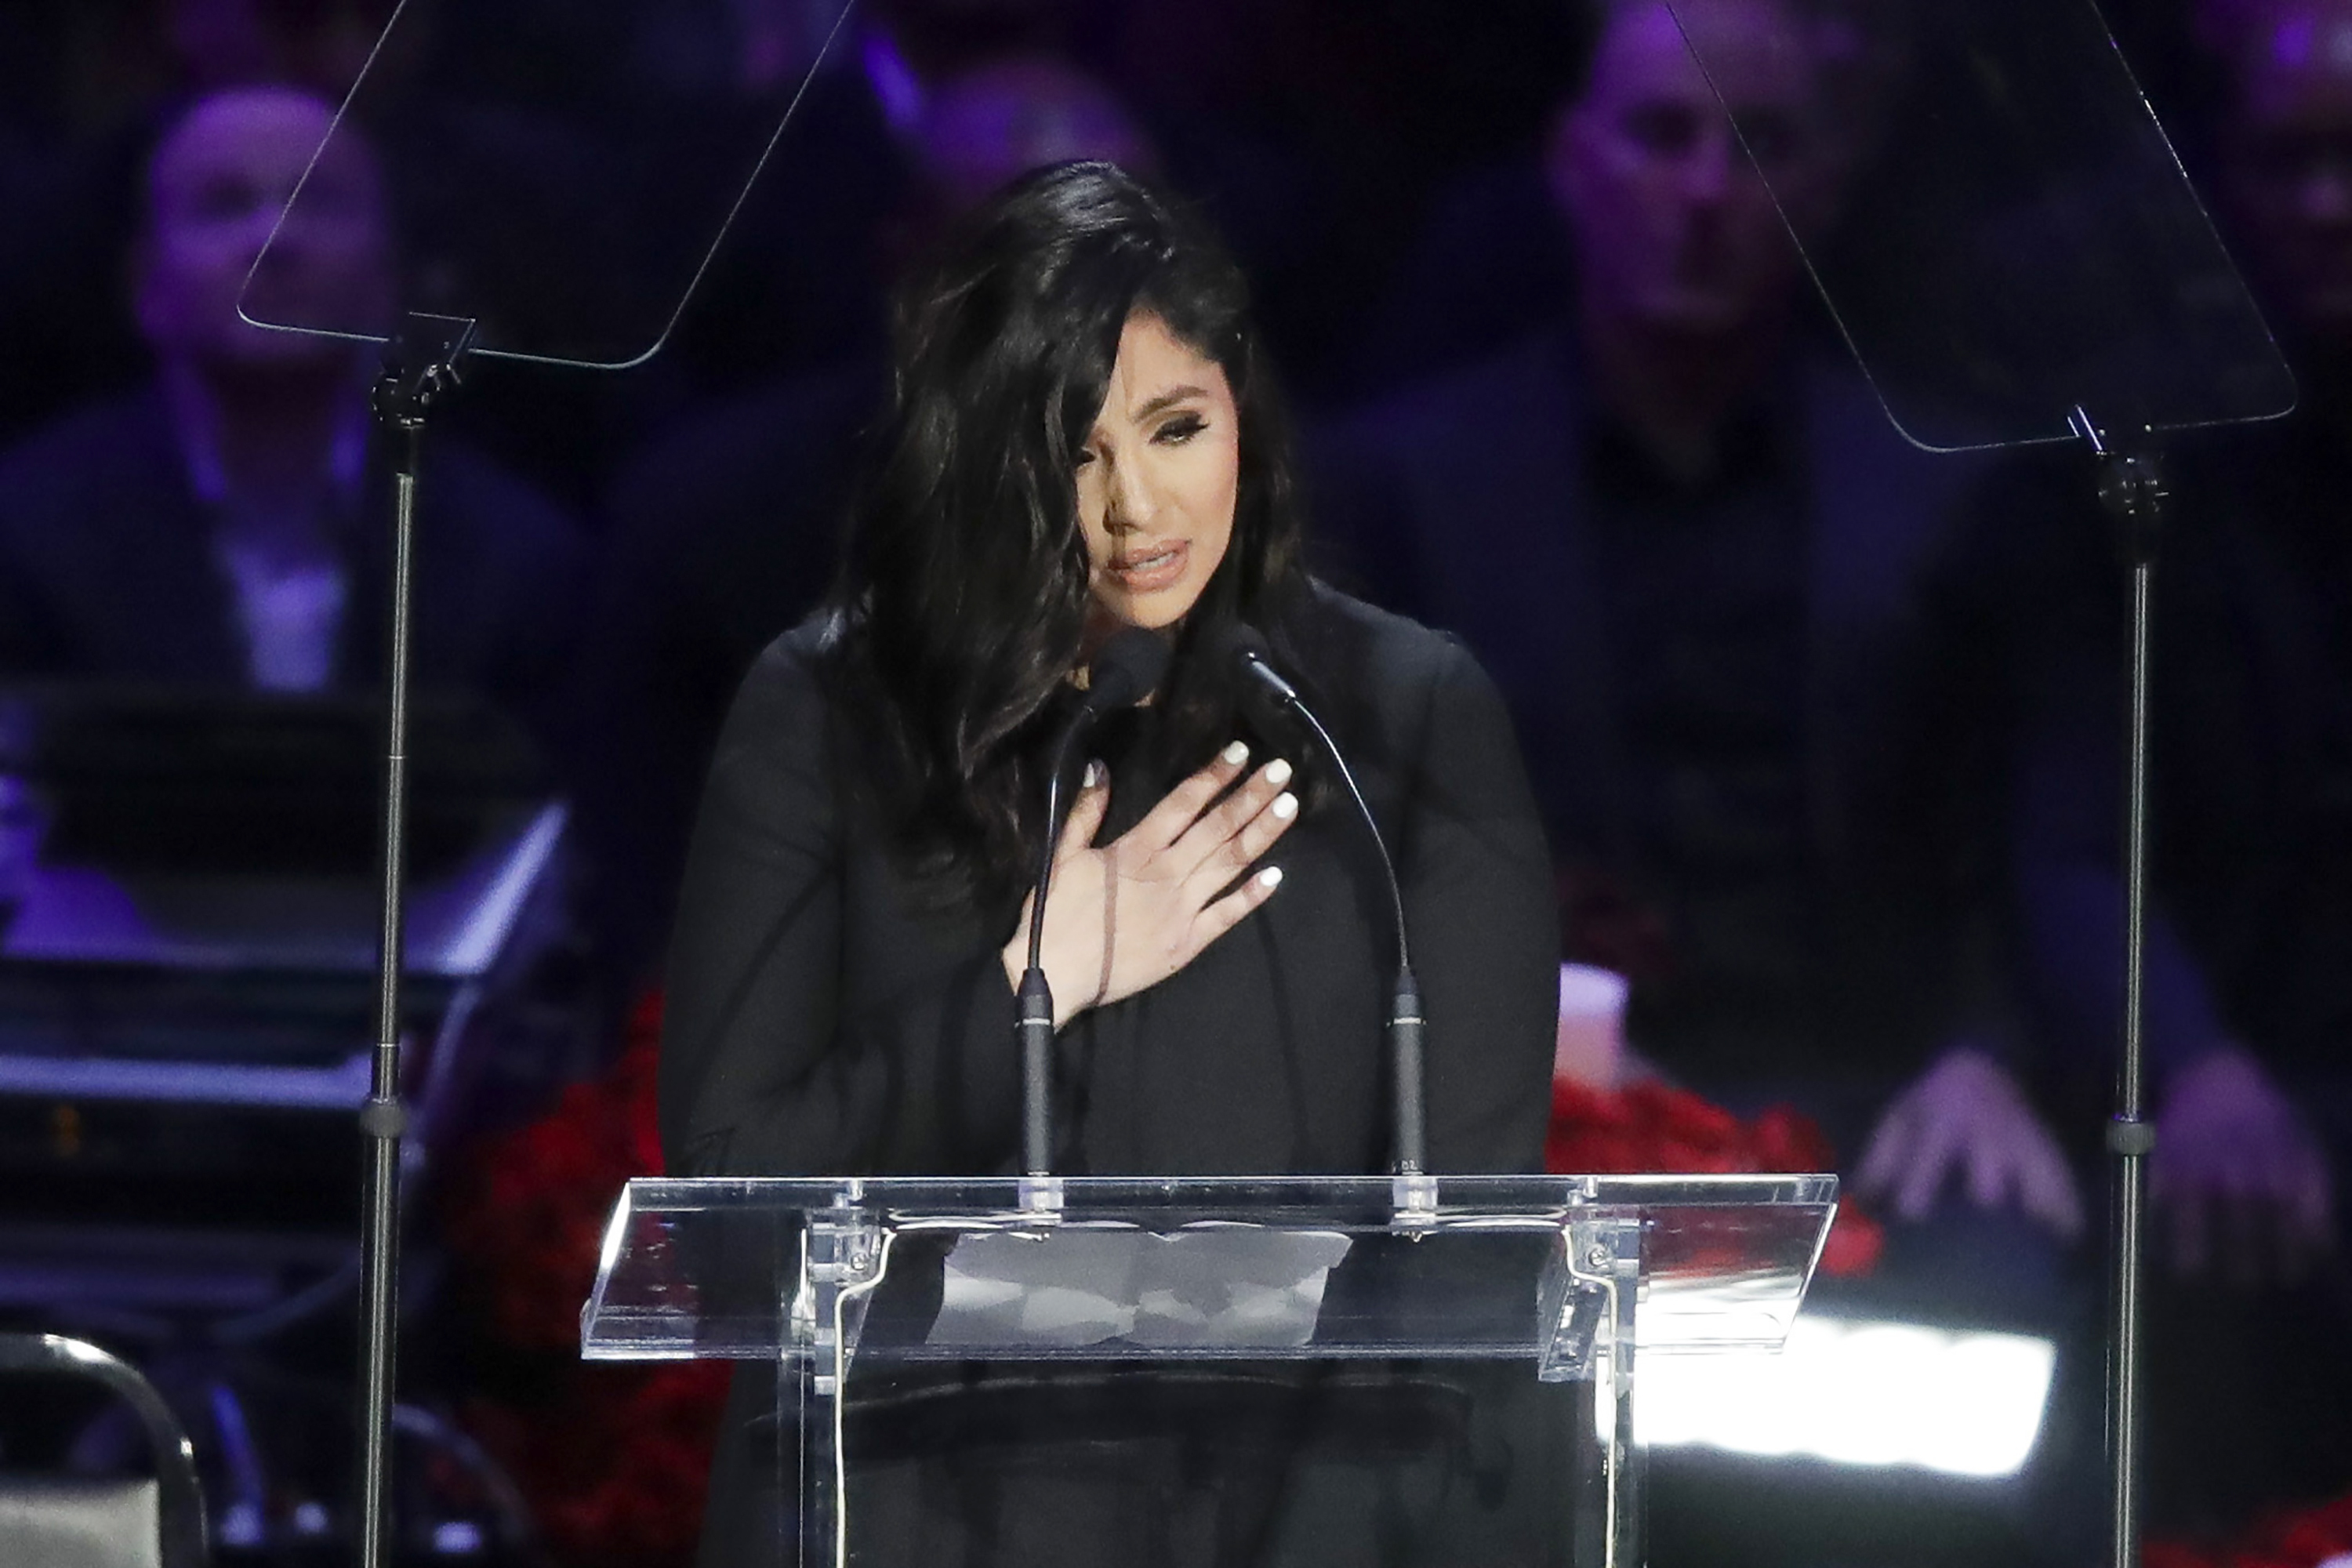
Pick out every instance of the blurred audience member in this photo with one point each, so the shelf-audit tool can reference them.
(1315, 130)
(2250, 962)
(2229, 1142)
(219, 526)
(64, 167)
(1002, 117)
(800, 283)
(1688, 549)
(722, 535)
(320, 46)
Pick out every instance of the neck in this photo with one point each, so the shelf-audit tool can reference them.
(273, 440)
(1675, 390)
(2323, 362)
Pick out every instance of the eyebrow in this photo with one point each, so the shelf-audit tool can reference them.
(1168, 399)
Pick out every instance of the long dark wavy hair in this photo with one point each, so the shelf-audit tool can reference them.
(963, 593)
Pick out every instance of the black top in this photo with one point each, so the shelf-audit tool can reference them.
(1701, 589)
(826, 1016)
(106, 571)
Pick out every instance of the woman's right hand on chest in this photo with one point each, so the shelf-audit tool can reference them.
(1122, 916)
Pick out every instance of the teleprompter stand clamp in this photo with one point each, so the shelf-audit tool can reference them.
(421, 366)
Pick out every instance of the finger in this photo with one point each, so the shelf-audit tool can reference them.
(2188, 1230)
(1182, 806)
(1930, 1162)
(2303, 1215)
(1022, 930)
(1229, 859)
(1209, 841)
(1882, 1160)
(1990, 1168)
(2314, 1201)
(1261, 832)
(2245, 1241)
(1086, 814)
(1233, 909)
(2047, 1187)
(2282, 1243)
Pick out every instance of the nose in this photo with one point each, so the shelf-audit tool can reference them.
(1713, 162)
(2327, 195)
(1131, 502)
(279, 236)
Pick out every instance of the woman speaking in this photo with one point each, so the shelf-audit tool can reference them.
(1084, 437)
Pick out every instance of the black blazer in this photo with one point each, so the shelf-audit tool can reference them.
(820, 1021)
(1465, 503)
(1462, 504)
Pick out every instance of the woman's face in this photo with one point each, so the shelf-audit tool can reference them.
(1156, 479)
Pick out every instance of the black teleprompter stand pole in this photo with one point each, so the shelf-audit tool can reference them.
(2131, 489)
(420, 365)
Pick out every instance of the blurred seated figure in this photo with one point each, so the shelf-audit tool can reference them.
(723, 534)
(191, 589)
(800, 280)
(221, 527)
(2250, 964)
(1688, 545)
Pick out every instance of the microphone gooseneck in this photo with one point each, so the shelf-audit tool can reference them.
(1247, 648)
(1128, 669)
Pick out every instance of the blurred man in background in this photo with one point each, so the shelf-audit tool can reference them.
(217, 527)
(2250, 959)
(1688, 544)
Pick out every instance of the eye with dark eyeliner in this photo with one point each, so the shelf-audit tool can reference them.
(1179, 429)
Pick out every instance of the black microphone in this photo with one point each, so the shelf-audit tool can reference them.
(1128, 669)
(1246, 648)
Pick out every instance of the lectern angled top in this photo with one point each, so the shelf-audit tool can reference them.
(1038, 1371)
(1311, 1268)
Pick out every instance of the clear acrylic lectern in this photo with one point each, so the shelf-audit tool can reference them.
(1428, 1369)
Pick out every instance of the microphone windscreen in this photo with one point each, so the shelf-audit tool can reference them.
(1126, 669)
(1243, 648)
(1232, 640)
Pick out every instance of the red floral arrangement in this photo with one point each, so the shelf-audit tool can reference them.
(1648, 1127)
(2298, 1538)
(613, 1458)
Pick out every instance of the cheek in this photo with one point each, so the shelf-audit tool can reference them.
(1755, 226)
(1631, 213)
(1091, 532)
(1216, 486)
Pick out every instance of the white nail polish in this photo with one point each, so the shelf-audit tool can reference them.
(1285, 806)
(1236, 753)
(1278, 773)
(1270, 878)
(1094, 775)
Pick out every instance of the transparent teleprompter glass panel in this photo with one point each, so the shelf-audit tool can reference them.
(1995, 219)
(563, 174)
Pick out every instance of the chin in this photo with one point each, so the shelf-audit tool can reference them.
(2327, 315)
(1152, 617)
(1153, 613)
(260, 349)
(1701, 312)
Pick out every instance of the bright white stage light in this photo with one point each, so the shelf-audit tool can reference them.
(1858, 1393)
